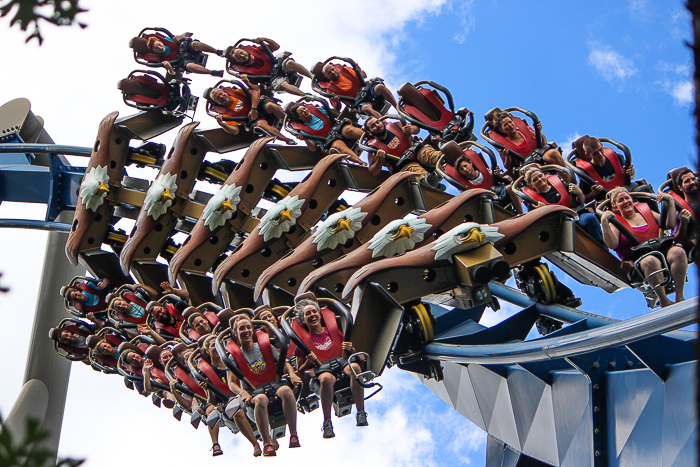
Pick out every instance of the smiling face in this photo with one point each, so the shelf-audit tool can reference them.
(165, 356)
(539, 182)
(160, 313)
(76, 296)
(240, 56)
(375, 126)
(219, 96)
(201, 325)
(121, 306)
(623, 204)
(158, 47)
(303, 113)
(312, 317)
(244, 331)
(689, 184)
(331, 72)
(134, 359)
(68, 338)
(105, 348)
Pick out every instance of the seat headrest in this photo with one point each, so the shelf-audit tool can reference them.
(452, 152)
(153, 352)
(54, 333)
(189, 311)
(577, 146)
(488, 116)
(317, 71)
(178, 349)
(305, 296)
(92, 341)
(673, 176)
(225, 315)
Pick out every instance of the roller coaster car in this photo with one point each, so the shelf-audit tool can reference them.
(209, 311)
(151, 59)
(149, 90)
(401, 235)
(105, 363)
(337, 319)
(534, 148)
(339, 234)
(656, 247)
(267, 382)
(132, 294)
(76, 351)
(580, 163)
(105, 186)
(425, 108)
(287, 223)
(324, 136)
(86, 285)
(359, 90)
(271, 65)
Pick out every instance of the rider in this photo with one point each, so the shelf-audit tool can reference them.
(688, 185)
(377, 93)
(340, 141)
(188, 52)
(501, 185)
(643, 223)
(423, 159)
(262, 114)
(327, 343)
(524, 145)
(226, 377)
(256, 359)
(607, 170)
(256, 59)
(546, 193)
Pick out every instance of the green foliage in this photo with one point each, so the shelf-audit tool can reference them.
(57, 12)
(29, 453)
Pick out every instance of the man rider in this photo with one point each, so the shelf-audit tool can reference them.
(425, 157)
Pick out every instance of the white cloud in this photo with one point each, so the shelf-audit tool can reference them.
(467, 20)
(682, 93)
(676, 82)
(610, 64)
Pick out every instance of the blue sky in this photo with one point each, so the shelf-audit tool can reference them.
(612, 69)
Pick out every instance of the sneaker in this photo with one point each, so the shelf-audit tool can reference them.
(328, 429)
(361, 418)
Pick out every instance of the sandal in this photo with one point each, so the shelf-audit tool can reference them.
(294, 441)
(257, 452)
(275, 444)
(216, 450)
(269, 451)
